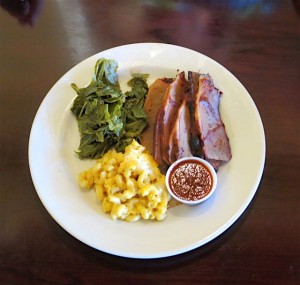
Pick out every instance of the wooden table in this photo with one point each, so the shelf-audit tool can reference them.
(258, 41)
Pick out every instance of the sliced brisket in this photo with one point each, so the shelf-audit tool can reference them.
(179, 142)
(166, 117)
(215, 143)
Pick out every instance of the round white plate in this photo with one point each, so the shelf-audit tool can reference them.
(54, 166)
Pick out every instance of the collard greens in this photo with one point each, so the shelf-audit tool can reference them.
(107, 117)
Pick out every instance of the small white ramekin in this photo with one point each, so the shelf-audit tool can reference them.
(197, 160)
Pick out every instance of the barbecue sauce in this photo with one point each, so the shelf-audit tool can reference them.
(190, 180)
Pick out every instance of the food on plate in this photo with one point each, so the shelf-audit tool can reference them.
(108, 118)
(173, 119)
(129, 185)
(188, 122)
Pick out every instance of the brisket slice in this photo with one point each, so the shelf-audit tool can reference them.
(165, 119)
(179, 146)
(215, 143)
(154, 99)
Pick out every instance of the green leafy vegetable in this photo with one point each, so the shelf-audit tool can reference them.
(107, 117)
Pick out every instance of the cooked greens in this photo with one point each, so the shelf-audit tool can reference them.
(108, 118)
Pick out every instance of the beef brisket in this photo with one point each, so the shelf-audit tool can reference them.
(215, 143)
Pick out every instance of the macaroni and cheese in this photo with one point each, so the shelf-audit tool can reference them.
(129, 185)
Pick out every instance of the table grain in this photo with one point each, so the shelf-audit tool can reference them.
(257, 40)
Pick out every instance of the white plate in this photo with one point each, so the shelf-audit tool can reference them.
(54, 166)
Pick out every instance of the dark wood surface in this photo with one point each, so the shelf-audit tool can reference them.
(258, 40)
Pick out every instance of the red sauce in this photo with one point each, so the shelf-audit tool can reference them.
(190, 180)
